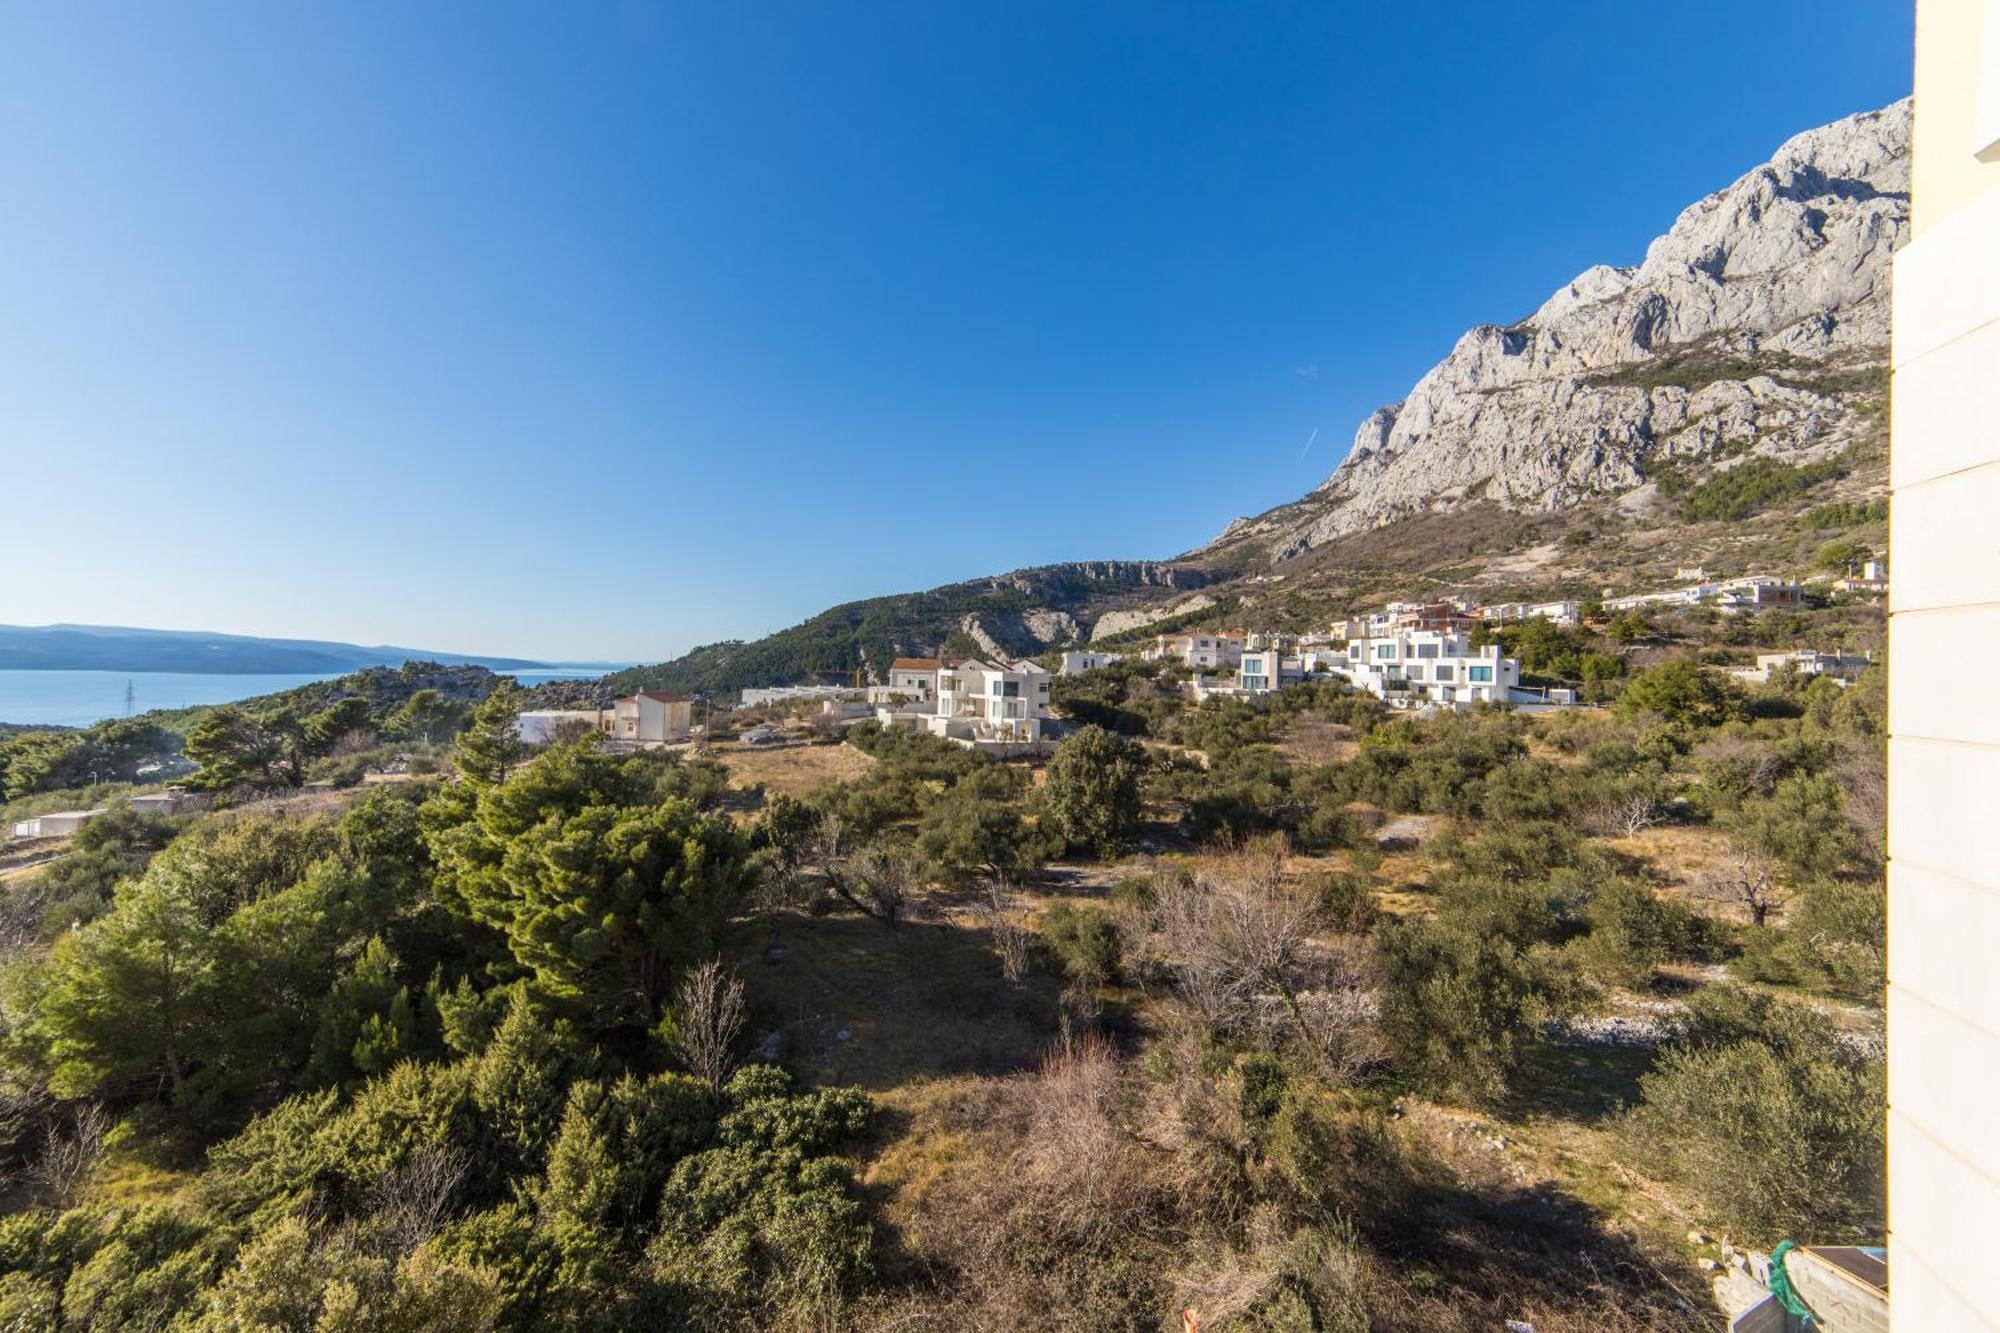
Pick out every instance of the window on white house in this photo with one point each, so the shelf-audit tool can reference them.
(1479, 673)
(1444, 671)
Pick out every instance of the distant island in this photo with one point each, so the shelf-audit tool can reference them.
(119, 648)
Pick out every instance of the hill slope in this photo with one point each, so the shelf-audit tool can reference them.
(1018, 614)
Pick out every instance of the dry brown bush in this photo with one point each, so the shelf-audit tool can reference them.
(1252, 955)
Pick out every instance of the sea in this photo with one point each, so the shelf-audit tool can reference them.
(78, 698)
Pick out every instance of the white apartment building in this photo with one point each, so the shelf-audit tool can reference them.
(1430, 664)
(1200, 651)
(1079, 660)
(1944, 738)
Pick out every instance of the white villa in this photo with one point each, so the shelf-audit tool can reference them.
(978, 703)
(1079, 660)
(652, 717)
(1430, 664)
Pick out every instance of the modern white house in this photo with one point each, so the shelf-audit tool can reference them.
(1564, 615)
(55, 824)
(1222, 650)
(1806, 662)
(1753, 592)
(1431, 665)
(1079, 660)
(651, 717)
(983, 701)
(1269, 669)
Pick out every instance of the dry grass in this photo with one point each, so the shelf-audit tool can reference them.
(792, 770)
(1677, 853)
(1318, 740)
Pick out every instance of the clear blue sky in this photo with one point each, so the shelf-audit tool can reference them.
(604, 330)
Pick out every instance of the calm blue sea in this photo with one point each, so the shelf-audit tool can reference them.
(78, 698)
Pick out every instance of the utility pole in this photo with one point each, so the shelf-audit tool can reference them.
(129, 696)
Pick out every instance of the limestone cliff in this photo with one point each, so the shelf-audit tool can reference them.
(1758, 324)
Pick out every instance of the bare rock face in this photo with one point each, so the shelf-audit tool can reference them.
(1759, 320)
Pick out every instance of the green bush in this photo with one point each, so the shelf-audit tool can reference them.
(1085, 941)
(1765, 1113)
(1460, 1004)
(1090, 793)
(1753, 485)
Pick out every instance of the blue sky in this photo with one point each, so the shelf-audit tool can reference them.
(605, 330)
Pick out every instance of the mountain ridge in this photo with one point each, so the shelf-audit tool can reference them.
(72, 647)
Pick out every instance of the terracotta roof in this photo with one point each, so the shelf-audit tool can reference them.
(915, 664)
(662, 697)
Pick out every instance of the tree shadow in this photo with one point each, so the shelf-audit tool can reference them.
(1586, 1081)
(1513, 1252)
(846, 999)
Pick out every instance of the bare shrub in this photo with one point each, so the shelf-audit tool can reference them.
(26, 1113)
(875, 880)
(1011, 939)
(1625, 814)
(1245, 953)
(21, 907)
(1745, 883)
(709, 1014)
(1864, 787)
(408, 1203)
(72, 1151)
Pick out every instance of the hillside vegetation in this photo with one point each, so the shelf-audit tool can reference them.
(1299, 1013)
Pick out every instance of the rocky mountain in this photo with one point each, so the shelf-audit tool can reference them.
(1757, 325)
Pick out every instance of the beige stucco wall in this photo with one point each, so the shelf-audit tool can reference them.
(1944, 749)
(1955, 66)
